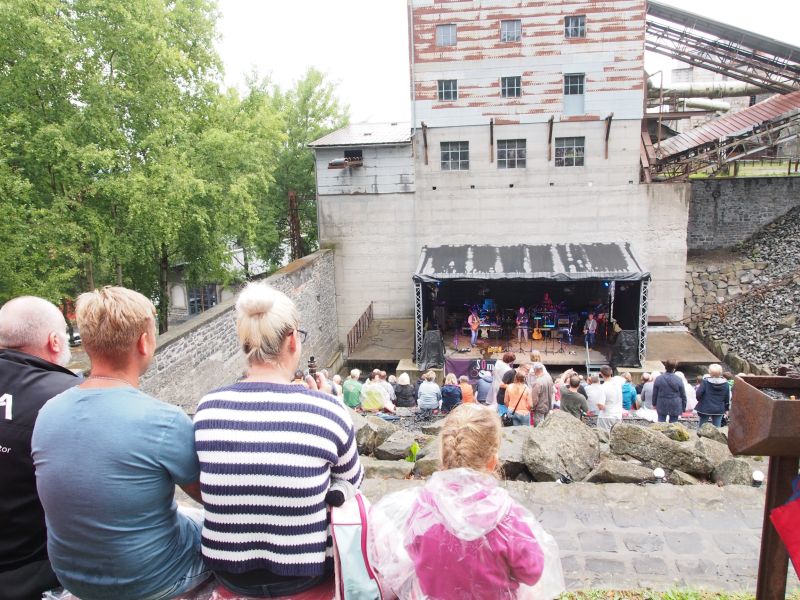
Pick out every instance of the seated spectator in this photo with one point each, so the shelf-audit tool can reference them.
(518, 395)
(714, 397)
(34, 354)
(299, 378)
(669, 394)
(351, 389)
(461, 535)
(594, 393)
(430, 396)
(644, 404)
(268, 449)
(628, 393)
(645, 378)
(451, 393)
(107, 459)
(387, 385)
(467, 393)
(572, 401)
(484, 386)
(405, 392)
(374, 396)
(336, 382)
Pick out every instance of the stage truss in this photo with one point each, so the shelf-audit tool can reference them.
(644, 297)
(418, 321)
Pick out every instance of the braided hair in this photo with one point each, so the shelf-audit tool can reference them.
(470, 437)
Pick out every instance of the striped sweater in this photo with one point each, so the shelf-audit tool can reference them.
(267, 454)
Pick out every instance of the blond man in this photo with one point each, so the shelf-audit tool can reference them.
(107, 459)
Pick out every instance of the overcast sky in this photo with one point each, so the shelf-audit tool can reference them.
(363, 44)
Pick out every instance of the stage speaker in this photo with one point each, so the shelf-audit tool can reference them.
(625, 352)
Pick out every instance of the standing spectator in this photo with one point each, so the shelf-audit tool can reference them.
(467, 393)
(451, 393)
(405, 392)
(33, 368)
(669, 394)
(518, 396)
(374, 397)
(508, 379)
(611, 409)
(500, 369)
(108, 458)
(269, 451)
(595, 395)
(430, 396)
(541, 394)
(572, 401)
(628, 393)
(714, 397)
(352, 389)
(484, 386)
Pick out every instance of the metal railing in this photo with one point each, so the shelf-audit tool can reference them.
(359, 329)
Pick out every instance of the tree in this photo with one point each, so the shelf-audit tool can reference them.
(309, 111)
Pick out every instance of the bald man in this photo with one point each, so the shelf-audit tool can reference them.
(34, 352)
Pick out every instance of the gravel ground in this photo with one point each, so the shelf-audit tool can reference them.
(764, 326)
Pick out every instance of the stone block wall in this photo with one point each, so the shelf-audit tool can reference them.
(203, 353)
(726, 212)
(710, 284)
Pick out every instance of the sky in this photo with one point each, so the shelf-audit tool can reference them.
(362, 45)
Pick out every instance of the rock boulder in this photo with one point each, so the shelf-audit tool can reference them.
(681, 478)
(674, 431)
(373, 433)
(396, 446)
(715, 452)
(386, 469)
(709, 431)
(429, 463)
(433, 428)
(733, 471)
(561, 445)
(512, 444)
(657, 450)
(619, 471)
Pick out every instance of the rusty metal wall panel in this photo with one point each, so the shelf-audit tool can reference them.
(611, 56)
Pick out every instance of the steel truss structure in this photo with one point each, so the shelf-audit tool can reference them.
(418, 321)
(724, 57)
(644, 296)
(711, 157)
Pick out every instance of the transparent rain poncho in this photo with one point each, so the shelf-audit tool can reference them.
(461, 536)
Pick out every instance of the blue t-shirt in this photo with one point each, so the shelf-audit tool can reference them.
(107, 461)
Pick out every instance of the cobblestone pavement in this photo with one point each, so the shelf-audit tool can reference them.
(624, 536)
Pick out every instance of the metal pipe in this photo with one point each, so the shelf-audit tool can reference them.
(708, 89)
(705, 104)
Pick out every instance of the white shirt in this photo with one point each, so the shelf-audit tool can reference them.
(595, 396)
(612, 398)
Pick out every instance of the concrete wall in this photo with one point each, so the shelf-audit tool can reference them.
(725, 212)
(203, 353)
(611, 56)
(386, 170)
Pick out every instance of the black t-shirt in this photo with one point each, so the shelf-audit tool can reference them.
(26, 384)
(508, 379)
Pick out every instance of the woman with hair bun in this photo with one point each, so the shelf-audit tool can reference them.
(268, 451)
(462, 536)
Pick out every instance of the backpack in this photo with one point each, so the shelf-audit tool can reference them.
(355, 579)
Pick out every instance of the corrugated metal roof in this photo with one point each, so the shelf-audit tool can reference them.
(729, 125)
(363, 134)
(561, 262)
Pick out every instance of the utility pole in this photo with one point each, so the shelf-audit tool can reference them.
(294, 226)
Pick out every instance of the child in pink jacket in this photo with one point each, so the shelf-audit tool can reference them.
(461, 535)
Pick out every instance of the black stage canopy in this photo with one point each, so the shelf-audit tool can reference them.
(558, 262)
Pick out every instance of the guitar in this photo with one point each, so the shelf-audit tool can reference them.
(537, 333)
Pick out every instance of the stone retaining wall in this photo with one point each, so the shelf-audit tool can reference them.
(708, 285)
(203, 353)
(725, 212)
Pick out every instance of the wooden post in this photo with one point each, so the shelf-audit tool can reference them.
(773, 563)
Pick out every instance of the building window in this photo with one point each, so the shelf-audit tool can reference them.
(446, 35)
(511, 87)
(573, 94)
(511, 31)
(455, 156)
(569, 151)
(448, 89)
(575, 27)
(510, 154)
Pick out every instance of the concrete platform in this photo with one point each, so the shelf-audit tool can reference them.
(386, 340)
(664, 343)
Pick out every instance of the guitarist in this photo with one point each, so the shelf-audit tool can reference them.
(522, 325)
(474, 322)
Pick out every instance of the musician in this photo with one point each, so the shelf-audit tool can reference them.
(590, 330)
(547, 302)
(522, 324)
(474, 322)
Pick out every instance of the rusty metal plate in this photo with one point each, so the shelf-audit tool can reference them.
(760, 424)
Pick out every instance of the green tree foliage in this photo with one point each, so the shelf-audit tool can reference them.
(309, 111)
(120, 159)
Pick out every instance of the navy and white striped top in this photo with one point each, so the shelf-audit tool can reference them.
(267, 453)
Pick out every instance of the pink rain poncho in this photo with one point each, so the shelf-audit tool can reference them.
(461, 536)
